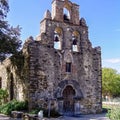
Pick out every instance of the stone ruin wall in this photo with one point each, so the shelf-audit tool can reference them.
(11, 81)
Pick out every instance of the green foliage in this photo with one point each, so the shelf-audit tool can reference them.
(114, 113)
(110, 82)
(3, 96)
(13, 105)
(18, 61)
(35, 111)
(9, 36)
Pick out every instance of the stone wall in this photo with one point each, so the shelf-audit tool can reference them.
(11, 81)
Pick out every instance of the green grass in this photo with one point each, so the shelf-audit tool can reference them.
(113, 111)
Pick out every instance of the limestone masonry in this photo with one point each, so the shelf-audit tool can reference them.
(59, 68)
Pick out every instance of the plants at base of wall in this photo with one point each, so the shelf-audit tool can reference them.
(114, 113)
(53, 112)
(3, 96)
(13, 105)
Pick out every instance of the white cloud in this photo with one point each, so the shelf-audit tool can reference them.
(113, 63)
(114, 60)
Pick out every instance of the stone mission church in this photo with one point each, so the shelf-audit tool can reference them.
(60, 66)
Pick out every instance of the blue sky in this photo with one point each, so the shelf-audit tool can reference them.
(102, 17)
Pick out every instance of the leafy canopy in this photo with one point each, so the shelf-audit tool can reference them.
(10, 42)
(110, 82)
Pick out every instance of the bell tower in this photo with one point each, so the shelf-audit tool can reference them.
(65, 11)
(70, 66)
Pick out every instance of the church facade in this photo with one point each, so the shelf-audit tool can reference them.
(59, 67)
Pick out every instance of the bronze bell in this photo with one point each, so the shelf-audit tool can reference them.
(56, 39)
(75, 42)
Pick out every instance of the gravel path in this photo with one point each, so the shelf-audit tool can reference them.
(4, 117)
(81, 117)
(88, 117)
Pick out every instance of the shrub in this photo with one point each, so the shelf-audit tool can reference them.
(13, 105)
(114, 113)
(35, 111)
(3, 96)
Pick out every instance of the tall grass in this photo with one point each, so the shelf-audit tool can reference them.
(113, 111)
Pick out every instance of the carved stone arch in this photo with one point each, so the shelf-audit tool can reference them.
(67, 93)
(68, 57)
(69, 85)
(68, 61)
(62, 85)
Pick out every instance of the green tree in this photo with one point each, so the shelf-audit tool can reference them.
(110, 82)
(10, 42)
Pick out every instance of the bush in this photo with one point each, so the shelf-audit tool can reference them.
(114, 113)
(13, 105)
(3, 96)
(35, 111)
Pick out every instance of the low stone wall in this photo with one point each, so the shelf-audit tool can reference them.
(23, 116)
(111, 103)
(30, 117)
(16, 114)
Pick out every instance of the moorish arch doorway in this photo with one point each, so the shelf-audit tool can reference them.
(69, 96)
(68, 100)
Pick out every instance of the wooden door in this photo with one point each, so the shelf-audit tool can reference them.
(68, 97)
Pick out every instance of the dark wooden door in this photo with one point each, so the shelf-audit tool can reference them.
(68, 103)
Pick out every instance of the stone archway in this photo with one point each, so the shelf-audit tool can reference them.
(68, 100)
(68, 95)
(11, 89)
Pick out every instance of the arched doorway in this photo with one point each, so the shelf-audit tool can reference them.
(68, 100)
(11, 91)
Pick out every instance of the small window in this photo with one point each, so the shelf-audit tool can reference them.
(0, 82)
(68, 67)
